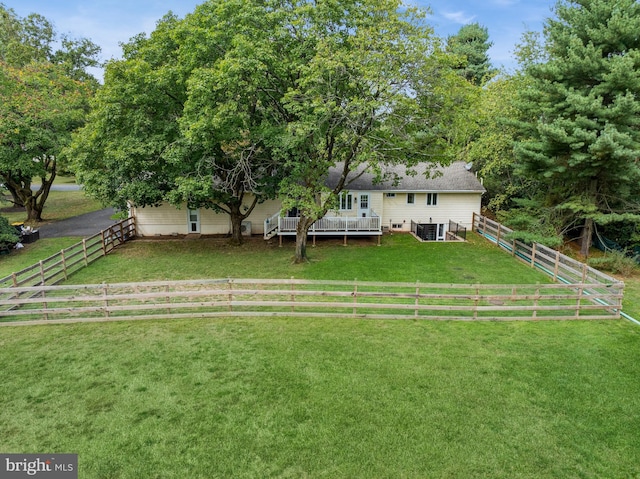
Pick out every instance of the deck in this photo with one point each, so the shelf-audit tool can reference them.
(327, 226)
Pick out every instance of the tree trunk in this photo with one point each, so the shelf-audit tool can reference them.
(587, 237)
(236, 224)
(302, 231)
(15, 199)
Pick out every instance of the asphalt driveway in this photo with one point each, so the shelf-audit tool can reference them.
(83, 226)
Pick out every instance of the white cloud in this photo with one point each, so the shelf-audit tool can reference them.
(458, 17)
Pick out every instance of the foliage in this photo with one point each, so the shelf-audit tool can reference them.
(182, 118)
(617, 262)
(369, 91)
(491, 150)
(43, 98)
(240, 94)
(8, 234)
(471, 44)
(532, 223)
(581, 108)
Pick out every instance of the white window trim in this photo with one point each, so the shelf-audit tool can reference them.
(434, 199)
(345, 199)
(413, 196)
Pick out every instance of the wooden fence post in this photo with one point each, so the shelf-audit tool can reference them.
(64, 264)
(476, 302)
(533, 255)
(293, 296)
(41, 272)
(579, 300)
(106, 300)
(44, 304)
(166, 290)
(84, 249)
(230, 296)
(355, 299)
(417, 303)
(104, 242)
(556, 266)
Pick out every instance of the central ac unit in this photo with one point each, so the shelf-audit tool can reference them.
(245, 228)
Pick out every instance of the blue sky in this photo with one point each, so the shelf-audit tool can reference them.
(109, 22)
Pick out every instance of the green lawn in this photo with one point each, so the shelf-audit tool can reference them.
(247, 398)
(399, 258)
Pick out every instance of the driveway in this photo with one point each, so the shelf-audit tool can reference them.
(83, 226)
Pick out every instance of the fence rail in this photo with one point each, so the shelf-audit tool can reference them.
(259, 297)
(58, 267)
(560, 267)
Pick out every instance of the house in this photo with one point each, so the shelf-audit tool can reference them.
(425, 204)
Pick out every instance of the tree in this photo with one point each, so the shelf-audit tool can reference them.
(471, 45)
(39, 108)
(240, 94)
(581, 135)
(43, 98)
(181, 119)
(366, 94)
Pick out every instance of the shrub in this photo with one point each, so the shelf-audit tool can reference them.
(8, 234)
(615, 262)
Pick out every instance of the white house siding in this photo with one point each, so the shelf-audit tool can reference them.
(167, 220)
(458, 207)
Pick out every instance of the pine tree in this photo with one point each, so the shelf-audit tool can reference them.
(471, 44)
(584, 143)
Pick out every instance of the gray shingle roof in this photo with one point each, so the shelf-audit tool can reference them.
(452, 178)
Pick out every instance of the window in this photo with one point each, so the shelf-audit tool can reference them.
(411, 198)
(432, 199)
(391, 195)
(346, 201)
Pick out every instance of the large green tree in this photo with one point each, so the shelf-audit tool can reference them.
(369, 91)
(44, 96)
(581, 107)
(185, 117)
(241, 93)
(471, 45)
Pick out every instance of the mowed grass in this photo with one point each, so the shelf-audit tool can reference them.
(324, 398)
(399, 258)
(260, 398)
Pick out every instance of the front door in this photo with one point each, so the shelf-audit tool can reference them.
(364, 207)
(193, 223)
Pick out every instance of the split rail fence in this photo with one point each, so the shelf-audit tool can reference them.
(58, 267)
(305, 298)
(560, 267)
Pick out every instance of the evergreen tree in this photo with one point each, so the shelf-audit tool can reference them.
(582, 106)
(471, 45)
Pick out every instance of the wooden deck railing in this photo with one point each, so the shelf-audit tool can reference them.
(327, 225)
(305, 298)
